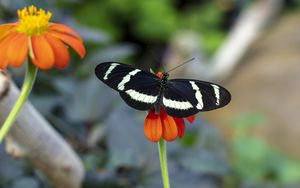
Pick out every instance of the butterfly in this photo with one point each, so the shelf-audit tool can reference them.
(143, 90)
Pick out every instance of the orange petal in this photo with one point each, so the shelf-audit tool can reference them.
(75, 43)
(61, 52)
(17, 50)
(3, 64)
(42, 51)
(169, 126)
(5, 29)
(180, 126)
(153, 127)
(191, 119)
(3, 50)
(64, 29)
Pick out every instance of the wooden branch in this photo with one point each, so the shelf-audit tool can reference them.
(247, 28)
(33, 138)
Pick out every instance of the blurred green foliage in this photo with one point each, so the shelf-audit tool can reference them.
(154, 21)
(254, 160)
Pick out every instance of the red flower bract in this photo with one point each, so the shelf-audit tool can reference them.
(164, 126)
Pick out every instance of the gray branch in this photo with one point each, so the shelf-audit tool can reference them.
(248, 27)
(33, 138)
(246, 30)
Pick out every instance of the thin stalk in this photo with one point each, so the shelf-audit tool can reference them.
(163, 162)
(25, 91)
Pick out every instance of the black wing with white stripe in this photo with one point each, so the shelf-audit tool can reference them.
(138, 88)
(142, 90)
(184, 97)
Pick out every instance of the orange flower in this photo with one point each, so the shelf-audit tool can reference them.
(164, 126)
(44, 42)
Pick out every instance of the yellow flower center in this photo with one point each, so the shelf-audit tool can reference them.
(33, 21)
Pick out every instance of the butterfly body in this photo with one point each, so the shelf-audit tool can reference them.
(143, 90)
(162, 86)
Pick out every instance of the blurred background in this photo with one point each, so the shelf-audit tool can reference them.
(252, 47)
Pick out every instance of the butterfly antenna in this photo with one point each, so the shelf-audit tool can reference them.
(181, 64)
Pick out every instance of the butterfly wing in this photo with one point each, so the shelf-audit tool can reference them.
(184, 97)
(138, 88)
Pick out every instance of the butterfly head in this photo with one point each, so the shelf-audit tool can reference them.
(162, 75)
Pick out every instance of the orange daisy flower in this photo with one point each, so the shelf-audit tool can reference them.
(34, 35)
(164, 126)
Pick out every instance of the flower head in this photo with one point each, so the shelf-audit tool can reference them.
(46, 43)
(164, 126)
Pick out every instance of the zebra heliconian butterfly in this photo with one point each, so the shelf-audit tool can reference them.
(143, 90)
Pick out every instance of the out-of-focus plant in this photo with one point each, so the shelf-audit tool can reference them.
(154, 22)
(254, 160)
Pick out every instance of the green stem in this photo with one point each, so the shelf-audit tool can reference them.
(26, 88)
(163, 162)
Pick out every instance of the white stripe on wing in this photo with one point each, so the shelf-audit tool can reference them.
(181, 105)
(109, 70)
(217, 93)
(137, 96)
(127, 79)
(198, 95)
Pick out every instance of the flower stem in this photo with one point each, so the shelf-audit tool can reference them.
(163, 162)
(26, 88)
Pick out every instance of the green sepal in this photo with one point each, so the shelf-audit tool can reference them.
(152, 71)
